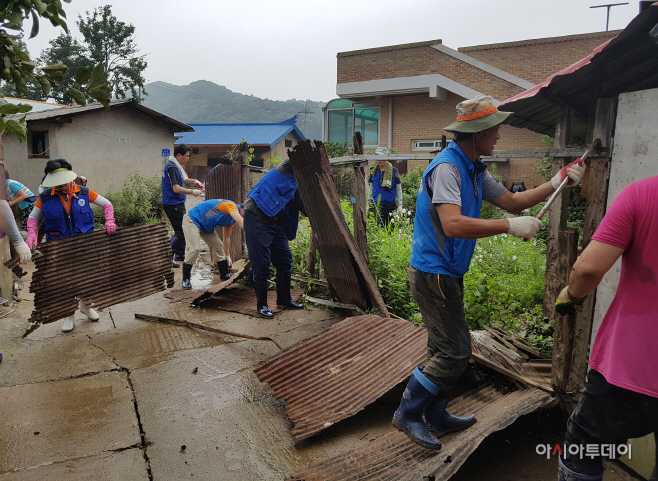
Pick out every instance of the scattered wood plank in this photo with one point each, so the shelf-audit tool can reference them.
(194, 325)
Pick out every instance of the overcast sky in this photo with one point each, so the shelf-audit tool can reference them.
(284, 49)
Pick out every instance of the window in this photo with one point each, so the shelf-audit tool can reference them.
(195, 151)
(344, 118)
(426, 145)
(288, 143)
(40, 143)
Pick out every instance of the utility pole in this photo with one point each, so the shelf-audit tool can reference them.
(305, 112)
(607, 21)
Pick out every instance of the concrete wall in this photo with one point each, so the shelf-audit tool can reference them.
(634, 158)
(280, 150)
(105, 147)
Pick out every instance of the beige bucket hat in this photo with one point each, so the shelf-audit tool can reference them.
(476, 115)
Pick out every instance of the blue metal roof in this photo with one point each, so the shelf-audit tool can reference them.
(232, 134)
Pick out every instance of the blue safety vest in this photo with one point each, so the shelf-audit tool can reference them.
(387, 195)
(453, 256)
(59, 223)
(274, 192)
(206, 215)
(169, 197)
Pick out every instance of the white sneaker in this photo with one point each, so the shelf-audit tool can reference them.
(68, 324)
(88, 311)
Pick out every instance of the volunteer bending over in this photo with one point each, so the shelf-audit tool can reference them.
(199, 223)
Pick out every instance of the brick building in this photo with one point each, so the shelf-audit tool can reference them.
(402, 96)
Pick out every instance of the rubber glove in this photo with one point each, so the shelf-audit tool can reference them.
(196, 192)
(23, 251)
(565, 304)
(110, 226)
(32, 228)
(574, 171)
(524, 227)
(198, 184)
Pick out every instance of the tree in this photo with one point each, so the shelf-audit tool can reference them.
(65, 50)
(18, 68)
(111, 43)
(34, 91)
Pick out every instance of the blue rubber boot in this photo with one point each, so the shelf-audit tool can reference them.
(408, 418)
(439, 420)
(187, 271)
(565, 474)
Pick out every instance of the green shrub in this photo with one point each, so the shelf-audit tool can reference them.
(410, 184)
(336, 149)
(139, 202)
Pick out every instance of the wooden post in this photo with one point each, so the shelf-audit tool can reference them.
(245, 180)
(561, 253)
(597, 195)
(556, 270)
(359, 209)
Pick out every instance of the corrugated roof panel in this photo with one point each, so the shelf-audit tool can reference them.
(334, 375)
(233, 133)
(70, 111)
(117, 277)
(394, 457)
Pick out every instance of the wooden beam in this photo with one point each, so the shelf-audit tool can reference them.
(245, 182)
(359, 209)
(555, 273)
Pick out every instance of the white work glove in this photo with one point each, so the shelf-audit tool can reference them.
(523, 227)
(23, 251)
(196, 192)
(399, 207)
(230, 262)
(574, 170)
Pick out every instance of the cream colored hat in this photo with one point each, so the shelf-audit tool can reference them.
(476, 115)
(59, 177)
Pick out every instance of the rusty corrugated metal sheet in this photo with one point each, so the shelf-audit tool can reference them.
(393, 457)
(336, 374)
(224, 182)
(243, 301)
(346, 269)
(133, 263)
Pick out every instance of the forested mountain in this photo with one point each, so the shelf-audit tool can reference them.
(206, 102)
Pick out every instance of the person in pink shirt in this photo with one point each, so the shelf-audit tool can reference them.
(620, 398)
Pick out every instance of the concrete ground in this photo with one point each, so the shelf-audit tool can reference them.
(125, 399)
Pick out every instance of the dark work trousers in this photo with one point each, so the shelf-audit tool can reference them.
(175, 215)
(383, 214)
(441, 302)
(267, 244)
(607, 415)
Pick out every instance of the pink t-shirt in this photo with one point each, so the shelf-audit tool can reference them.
(626, 346)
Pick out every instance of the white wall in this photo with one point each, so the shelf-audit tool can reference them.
(105, 147)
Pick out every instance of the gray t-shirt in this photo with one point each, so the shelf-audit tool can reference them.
(445, 184)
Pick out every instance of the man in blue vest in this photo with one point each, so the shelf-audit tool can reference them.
(270, 221)
(199, 223)
(385, 189)
(446, 227)
(174, 180)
